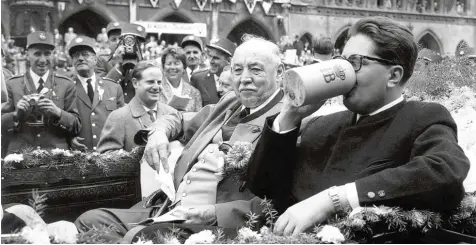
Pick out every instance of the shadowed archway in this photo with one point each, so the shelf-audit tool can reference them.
(85, 22)
(429, 41)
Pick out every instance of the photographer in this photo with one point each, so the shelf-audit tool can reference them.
(106, 63)
(42, 111)
(126, 56)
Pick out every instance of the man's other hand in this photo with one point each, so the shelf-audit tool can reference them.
(23, 107)
(48, 108)
(75, 145)
(291, 116)
(204, 215)
(157, 150)
(304, 215)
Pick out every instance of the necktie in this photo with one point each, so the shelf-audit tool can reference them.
(152, 115)
(90, 90)
(40, 87)
(228, 128)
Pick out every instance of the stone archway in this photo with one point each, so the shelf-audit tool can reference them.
(86, 22)
(248, 26)
(430, 41)
(306, 38)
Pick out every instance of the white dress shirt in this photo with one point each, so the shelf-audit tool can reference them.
(216, 80)
(36, 78)
(190, 72)
(350, 188)
(84, 82)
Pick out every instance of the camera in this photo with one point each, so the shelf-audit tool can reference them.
(131, 52)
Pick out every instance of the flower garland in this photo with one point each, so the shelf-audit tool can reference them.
(60, 157)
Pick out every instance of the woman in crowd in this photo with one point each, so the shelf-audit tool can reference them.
(175, 92)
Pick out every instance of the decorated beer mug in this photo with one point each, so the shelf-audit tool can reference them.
(313, 83)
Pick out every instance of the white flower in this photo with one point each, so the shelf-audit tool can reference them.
(37, 235)
(203, 237)
(39, 152)
(143, 242)
(330, 234)
(246, 233)
(63, 232)
(61, 152)
(264, 230)
(100, 93)
(172, 240)
(13, 158)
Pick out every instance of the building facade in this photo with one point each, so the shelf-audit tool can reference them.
(437, 24)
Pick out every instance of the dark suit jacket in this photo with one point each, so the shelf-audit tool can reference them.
(55, 133)
(102, 66)
(122, 125)
(127, 87)
(197, 132)
(405, 156)
(204, 81)
(112, 98)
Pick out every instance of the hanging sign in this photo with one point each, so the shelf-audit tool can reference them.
(201, 4)
(250, 5)
(154, 3)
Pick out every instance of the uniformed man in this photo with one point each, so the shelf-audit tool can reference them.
(105, 64)
(118, 74)
(193, 47)
(43, 111)
(220, 52)
(97, 97)
(61, 68)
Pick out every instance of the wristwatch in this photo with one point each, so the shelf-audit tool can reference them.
(334, 195)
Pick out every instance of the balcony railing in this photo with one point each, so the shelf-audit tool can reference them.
(438, 7)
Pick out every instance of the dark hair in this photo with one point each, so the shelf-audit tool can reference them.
(177, 53)
(141, 67)
(323, 45)
(394, 42)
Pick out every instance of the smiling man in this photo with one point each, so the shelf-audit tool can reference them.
(97, 97)
(193, 47)
(203, 194)
(144, 108)
(206, 81)
(45, 121)
(382, 151)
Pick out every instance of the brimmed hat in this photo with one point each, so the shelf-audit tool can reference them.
(223, 45)
(134, 29)
(40, 37)
(114, 25)
(192, 39)
(81, 42)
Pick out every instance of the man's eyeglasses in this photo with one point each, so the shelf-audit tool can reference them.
(356, 60)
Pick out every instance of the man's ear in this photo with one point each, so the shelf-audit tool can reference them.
(135, 83)
(396, 75)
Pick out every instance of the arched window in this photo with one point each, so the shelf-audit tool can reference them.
(429, 41)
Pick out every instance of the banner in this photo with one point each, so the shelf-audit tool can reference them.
(201, 4)
(197, 29)
(267, 6)
(250, 5)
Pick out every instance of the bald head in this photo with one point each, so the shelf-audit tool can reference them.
(256, 69)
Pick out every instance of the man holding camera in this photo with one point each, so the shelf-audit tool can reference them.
(220, 52)
(105, 64)
(43, 111)
(97, 97)
(126, 55)
(382, 151)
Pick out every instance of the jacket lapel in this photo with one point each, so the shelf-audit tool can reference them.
(138, 112)
(81, 93)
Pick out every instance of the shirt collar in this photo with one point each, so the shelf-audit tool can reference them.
(252, 110)
(36, 78)
(84, 80)
(385, 107)
(190, 70)
(147, 109)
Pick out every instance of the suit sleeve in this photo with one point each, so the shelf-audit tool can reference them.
(434, 175)
(182, 125)
(8, 110)
(103, 67)
(69, 119)
(113, 134)
(114, 75)
(271, 165)
(120, 97)
(233, 214)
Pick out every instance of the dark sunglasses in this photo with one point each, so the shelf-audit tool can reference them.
(356, 60)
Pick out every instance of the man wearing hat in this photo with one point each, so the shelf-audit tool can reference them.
(97, 97)
(220, 52)
(43, 111)
(193, 47)
(61, 67)
(105, 64)
(118, 74)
